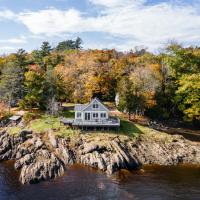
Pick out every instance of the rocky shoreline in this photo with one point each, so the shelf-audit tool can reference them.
(45, 156)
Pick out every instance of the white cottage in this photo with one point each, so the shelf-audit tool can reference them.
(94, 111)
(94, 114)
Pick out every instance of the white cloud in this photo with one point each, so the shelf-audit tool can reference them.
(51, 21)
(131, 20)
(115, 3)
(6, 14)
(20, 40)
(152, 25)
(12, 44)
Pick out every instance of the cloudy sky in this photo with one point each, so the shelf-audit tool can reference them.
(120, 24)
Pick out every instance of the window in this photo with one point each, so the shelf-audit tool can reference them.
(95, 115)
(95, 105)
(87, 116)
(78, 114)
(103, 115)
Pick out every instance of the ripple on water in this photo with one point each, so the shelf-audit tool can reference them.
(88, 184)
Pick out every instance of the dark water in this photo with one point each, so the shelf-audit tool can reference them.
(79, 182)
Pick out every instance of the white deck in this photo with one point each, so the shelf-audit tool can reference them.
(106, 123)
(111, 122)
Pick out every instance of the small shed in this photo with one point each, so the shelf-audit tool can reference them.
(15, 119)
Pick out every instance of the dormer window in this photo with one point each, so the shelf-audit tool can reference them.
(95, 105)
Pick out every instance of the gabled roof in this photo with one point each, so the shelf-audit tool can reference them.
(96, 99)
(82, 107)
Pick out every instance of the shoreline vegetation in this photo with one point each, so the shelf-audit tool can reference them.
(43, 149)
(41, 122)
(144, 87)
(162, 86)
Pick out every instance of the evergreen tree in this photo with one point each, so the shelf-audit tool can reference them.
(10, 84)
(69, 45)
(78, 43)
(45, 49)
(34, 84)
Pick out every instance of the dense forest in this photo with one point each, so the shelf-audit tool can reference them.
(164, 85)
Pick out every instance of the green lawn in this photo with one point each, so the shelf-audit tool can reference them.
(131, 129)
(43, 123)
(46, 123)
(127, 128)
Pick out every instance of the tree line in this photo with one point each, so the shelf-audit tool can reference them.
(164, 85)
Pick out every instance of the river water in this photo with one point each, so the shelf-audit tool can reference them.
(79, 182)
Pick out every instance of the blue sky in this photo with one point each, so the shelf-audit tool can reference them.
(120, 24)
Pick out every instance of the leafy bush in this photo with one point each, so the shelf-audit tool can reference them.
(30, 116)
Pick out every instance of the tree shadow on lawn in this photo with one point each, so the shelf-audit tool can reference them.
(127, 128)
(130, 129)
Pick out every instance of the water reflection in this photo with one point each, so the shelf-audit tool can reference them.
(86, 183)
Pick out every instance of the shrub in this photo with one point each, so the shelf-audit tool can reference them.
(30, 116)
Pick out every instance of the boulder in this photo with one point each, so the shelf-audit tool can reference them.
(53, 139)
(46, 167)
(42, 158)
(24, 135)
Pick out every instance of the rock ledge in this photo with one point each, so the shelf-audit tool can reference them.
(45, 156)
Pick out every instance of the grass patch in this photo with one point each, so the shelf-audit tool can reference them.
(127, 128)
(130, 129)
(40, 122)
(29, 116)
(14, 130)
(44, 123)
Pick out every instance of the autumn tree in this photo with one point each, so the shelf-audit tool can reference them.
(188, 96)
(10, 84)
(184, 65)
(34, 84)
(163, 85)
(129, 101)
